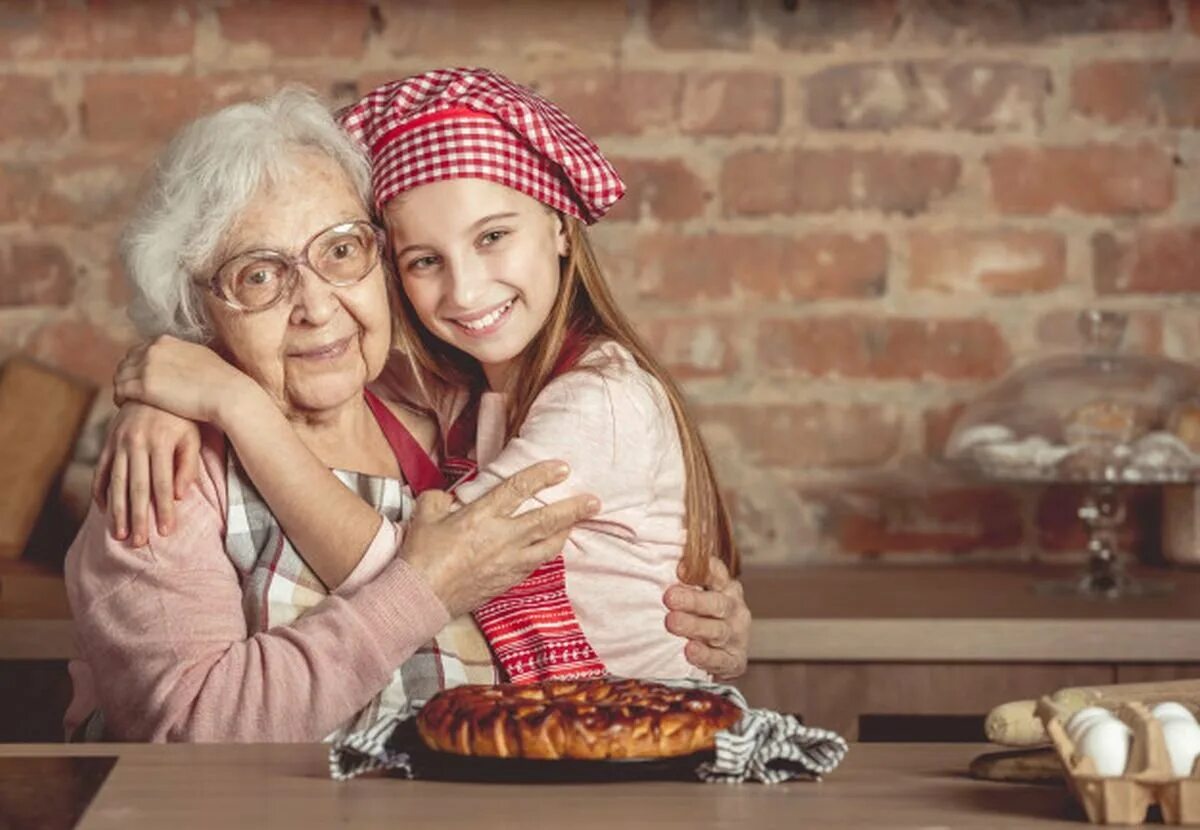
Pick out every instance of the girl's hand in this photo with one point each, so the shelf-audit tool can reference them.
(148, 453)
(714, 619)
(185, 379)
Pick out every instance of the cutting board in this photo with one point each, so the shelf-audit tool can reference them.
(41, 414)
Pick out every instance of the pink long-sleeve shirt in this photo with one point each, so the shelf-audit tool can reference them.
(167, 654)
(612, 422)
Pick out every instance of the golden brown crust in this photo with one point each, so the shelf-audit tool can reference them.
(585, 719)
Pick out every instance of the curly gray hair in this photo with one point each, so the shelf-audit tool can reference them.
(202, 182)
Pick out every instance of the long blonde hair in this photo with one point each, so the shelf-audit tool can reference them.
(585, 308)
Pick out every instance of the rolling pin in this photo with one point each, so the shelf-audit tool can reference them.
(1017, 723)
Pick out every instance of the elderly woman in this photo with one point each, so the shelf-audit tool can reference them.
(257, 239)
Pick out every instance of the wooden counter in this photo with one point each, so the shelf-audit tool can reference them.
(965, 613)
(287, 786)
(835, 613)
(880, 652)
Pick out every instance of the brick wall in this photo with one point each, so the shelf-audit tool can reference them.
(845, 218)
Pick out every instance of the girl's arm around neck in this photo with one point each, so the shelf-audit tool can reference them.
(329, 524)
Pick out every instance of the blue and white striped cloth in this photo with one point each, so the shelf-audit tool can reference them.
(763, 746)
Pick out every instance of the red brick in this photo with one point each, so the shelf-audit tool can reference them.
(987, 21)
(760, 182)
(19, 184)
(666, 189)
(805, 435)
(35, 274)
(75, 190)
(1132, 92)
(994, 262)
(693, 347)
(468, 27)
(820, 25)
(1060, 329)
(696, 24)
(1194, 15)
(725, 103)
(605, 102)
(80, 348)
(883, 348)
(1060, 529)
(124, 29)
(299, 28)
(760, 266)
(151, 107)
(1092, 179)
(909, 519)
(32, 112)
(1154, 261)
(981, 97)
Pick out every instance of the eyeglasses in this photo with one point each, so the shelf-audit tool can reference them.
(341, 255)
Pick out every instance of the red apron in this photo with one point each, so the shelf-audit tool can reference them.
(532, 627)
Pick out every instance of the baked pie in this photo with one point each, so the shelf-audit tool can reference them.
(587, 719)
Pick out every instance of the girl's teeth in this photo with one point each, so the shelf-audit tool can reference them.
(484, 322)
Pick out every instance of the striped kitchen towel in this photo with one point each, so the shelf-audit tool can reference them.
(764, 746)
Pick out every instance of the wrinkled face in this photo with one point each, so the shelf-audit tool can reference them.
(480, 264)
(316, 349)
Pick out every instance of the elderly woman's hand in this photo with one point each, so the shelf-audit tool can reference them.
(716, 621)
(186, 379)
(471, 555)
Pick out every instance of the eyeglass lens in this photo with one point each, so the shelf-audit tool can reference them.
(340, 255)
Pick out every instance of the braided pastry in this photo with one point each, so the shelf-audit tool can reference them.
(586, 719)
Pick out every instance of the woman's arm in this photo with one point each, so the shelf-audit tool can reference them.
(163, 629)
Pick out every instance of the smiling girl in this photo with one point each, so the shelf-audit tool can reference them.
(512, 339)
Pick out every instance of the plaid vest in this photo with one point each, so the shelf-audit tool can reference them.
(278, 586)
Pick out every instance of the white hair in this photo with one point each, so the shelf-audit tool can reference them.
(203, 181)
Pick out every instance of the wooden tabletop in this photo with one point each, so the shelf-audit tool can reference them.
(967, 613)
(287, 786)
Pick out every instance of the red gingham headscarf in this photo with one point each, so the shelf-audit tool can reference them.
(474, 123)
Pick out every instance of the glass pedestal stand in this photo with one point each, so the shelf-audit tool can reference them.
(1102, 513)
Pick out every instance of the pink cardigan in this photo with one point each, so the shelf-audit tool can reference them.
(167, 654)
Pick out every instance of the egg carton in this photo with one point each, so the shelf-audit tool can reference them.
(1147, 780)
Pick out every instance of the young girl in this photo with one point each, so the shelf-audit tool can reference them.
(515, 343)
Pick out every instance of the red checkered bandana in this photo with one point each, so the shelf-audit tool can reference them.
(473, 123)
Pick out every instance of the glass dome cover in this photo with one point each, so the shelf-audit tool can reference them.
(1099, 416)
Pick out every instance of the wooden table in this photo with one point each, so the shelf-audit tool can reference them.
(286, 786)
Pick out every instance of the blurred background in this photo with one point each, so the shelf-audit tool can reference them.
(844, 220)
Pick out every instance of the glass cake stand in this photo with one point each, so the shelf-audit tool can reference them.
(1102, 419)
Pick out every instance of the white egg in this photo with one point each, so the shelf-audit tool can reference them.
(1183, 744)
(1106, 742)
(1171, 711)
(1080, 720)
